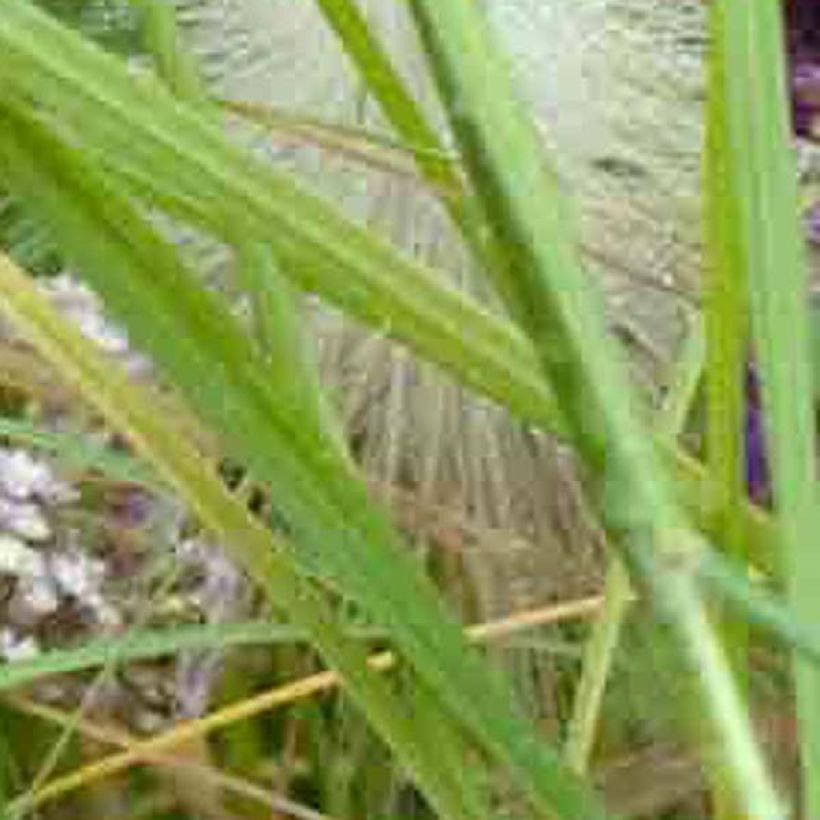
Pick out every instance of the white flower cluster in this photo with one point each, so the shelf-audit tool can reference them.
(42, 577)
(220, 595)
(43, 568)
(50, 577)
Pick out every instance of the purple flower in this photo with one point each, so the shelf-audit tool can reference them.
(811, 223)
(803, 44)
(757, 461)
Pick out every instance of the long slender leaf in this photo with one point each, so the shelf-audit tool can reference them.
(251, 544)
(389, 90)
(276, 311)
(547, 293)
(176, 158)
(599, 656)
(725, 310)
(754, 604)
(142, 645)
(174, 63)
(602, 644)
(288, 693)
(399, 107)
(749, 40)
(79, 452)
(681, 391)
(725, 289)
(339, 535)
(278, 324)
(149, 141)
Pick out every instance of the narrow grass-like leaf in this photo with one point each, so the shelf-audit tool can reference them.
(338, 534)
(725, 312)
(599, 655)
(602, 644)
(287, 694)
(249, 542)
(548, 295)
(749, 42)
(388, 89)
(78, 452)
(725, 289)
(278, 322)
(276, 312)
(693, 486)
(175, 157)
(401, 111)
(143, 645)
(174, 63)
(751, 602)
(179, 160)
(318, 260)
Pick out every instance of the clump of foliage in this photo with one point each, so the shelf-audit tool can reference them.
(206, 394)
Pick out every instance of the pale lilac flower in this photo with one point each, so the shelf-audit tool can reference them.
(17, 558)
(22, 476)
(76, 574)
(221, 596)
(132, 508)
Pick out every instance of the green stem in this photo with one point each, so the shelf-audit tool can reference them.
(599, 654)
(551, 298)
